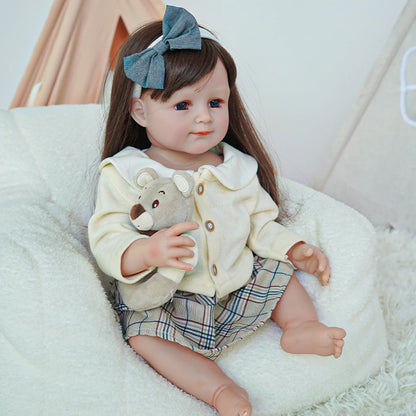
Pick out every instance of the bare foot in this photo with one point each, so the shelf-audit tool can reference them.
(313, 337)
(231, 400)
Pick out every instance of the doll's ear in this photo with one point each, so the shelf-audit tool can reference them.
(137, 111)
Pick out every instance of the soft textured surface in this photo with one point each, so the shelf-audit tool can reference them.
(62, 351)
(392, 392)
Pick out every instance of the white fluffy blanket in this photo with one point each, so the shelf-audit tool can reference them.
(61, 349)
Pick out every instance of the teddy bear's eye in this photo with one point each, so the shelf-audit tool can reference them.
(155, 203)
(162, 192)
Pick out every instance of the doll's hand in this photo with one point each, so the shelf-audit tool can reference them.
(167, 246)
(310, 259)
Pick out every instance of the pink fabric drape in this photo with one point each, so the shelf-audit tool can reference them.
(73, 53)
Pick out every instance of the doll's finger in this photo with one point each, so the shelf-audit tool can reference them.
(324, 277)
(183, 227)
(177, 264)
(180, 252)
(323, 267)
(322, 260)
(307, 251)
(323, 264)
(183, 241)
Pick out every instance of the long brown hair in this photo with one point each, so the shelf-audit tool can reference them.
(183, 68)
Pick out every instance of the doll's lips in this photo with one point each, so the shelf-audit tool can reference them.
(202, 133)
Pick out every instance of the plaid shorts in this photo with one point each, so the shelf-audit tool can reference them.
(206, 324)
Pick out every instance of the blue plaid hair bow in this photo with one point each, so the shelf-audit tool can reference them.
(180, 31)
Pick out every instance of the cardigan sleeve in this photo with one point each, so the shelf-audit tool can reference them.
(267, 237)
(110, 231)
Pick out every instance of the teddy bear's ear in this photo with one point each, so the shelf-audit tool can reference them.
(184, 182)
(144, 176)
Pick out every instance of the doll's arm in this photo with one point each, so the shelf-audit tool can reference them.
(270, 239)
(110, 231)
(267, 237)
(310, 259)
(119, 249)
(162, 249)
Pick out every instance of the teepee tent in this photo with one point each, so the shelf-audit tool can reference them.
(372, 165)
(76, 48)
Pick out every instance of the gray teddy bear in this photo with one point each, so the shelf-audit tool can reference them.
(162, 203)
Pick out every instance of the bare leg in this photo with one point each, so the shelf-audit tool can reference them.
(302, 332)
(193, 373)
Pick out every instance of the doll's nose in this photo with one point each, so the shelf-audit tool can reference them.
(203, 115)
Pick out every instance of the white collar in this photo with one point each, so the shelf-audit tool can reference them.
(236, 171)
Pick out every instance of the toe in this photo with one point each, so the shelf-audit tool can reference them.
(338, 333)
(339, 343)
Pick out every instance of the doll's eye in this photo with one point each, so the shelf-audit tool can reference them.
(155, 203)
(181, 106)
(215, 103)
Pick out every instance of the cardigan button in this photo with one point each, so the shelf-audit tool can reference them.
(209, 225)
(200, 189)
(214, 270)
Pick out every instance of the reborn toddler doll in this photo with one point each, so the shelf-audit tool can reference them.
(175, 106)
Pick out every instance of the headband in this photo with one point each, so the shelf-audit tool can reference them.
(180, 30)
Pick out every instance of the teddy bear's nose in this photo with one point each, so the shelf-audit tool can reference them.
(136, 211)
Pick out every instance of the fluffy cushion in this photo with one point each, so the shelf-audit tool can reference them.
(61, 347)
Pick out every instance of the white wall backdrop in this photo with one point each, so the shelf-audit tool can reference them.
(301, 63)
(21, 22)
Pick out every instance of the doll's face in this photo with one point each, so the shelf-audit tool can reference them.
(193, 120)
